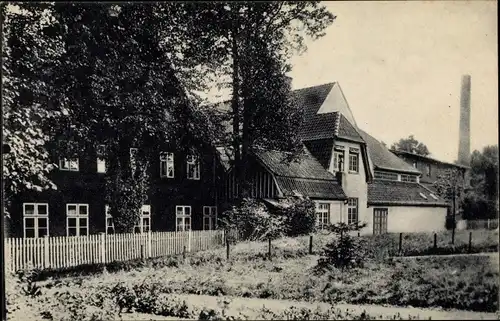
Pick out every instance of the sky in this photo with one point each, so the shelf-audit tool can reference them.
(400, 66)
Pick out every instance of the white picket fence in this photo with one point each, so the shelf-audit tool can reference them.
(64, 252)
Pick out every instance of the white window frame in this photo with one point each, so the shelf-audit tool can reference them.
(180, 213)
(109, 223)
(193, 161)
(352, 210)
(322, 214)
(337, 154)
(167, 165)
(36, 217)
(210, 216)
(69, 164)
(101, 162)
(145, 214)
(353, 156)
(77, 216)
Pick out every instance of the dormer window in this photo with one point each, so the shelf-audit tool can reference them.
(68, 163)
(338, 159)
(193, 167)
(101, 159)
(167, 165)
(353, 160)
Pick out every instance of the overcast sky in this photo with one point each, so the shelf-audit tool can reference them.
(400, 66)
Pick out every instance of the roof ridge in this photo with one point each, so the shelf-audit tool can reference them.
(309, 87)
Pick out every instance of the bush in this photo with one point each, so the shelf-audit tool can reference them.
(345, 250)
(300, 216)
(477, 207)
(253, 221)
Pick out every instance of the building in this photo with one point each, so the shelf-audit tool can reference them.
(182, 196)
(349, 174)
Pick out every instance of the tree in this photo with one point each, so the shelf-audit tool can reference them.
(411, 145)
(121, 84)
(484, 172)
(450, 186)
(28, 57)
(251, 43)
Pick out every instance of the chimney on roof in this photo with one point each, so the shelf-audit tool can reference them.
(464, 130)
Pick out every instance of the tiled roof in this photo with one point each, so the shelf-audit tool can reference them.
(348, 131)
(311, 98)
(314, 188)
(304, 176)
(382, 158)
(425, 158)
(385, 192)
(321, 149)
(306, 166)
(321, 126)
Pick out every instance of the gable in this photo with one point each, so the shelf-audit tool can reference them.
(336, 102)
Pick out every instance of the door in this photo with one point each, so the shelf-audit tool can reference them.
(380, 220)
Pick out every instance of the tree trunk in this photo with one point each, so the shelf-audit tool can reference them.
(235, 107)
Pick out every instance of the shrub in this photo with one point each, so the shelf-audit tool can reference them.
(345, 250)
(253, 221)
(300, 216)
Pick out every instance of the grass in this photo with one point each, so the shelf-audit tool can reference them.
(464, 282)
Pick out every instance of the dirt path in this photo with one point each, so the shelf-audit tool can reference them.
(250, 307)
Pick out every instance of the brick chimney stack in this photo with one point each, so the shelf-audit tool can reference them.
(464, 130)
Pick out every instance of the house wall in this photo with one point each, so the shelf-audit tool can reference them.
(354, 184)
(412, 219)
(86, 186)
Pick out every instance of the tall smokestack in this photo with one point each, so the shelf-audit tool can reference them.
(464, 142)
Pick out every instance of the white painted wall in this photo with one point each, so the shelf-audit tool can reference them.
(412, 219)
(354, 184)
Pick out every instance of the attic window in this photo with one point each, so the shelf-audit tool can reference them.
(422, 194)
(433, 196)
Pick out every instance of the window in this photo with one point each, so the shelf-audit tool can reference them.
(77, 220)
(352, 211)
(67, 164)
(433, 196)
(144, 224)
(183, 218)
(101, 160)
(133, 159)
(380, 220)
(408, 178)
(428, 168)
(422, 195)
(322, 215)
(353, 162)
(36, 219)
(386, 176)
(209, 217)
(110, 225)
(167, 165)
(338, 159)
(193, 167)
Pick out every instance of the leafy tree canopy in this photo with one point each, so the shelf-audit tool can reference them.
(411, 145)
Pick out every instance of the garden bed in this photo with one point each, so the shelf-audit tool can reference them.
(450, 283)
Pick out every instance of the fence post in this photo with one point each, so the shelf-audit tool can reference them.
(269, 252)
(46, 262)
(400, 242)
(470, 241)
(453, 236)
(227, 249)
(189, 241)
(310, 244)
(184, 253)
(435, 240)
(142, 252)
(103, 248)
(149, 244)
